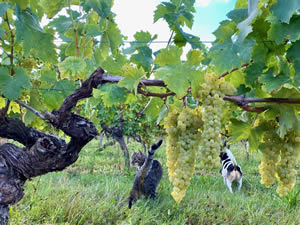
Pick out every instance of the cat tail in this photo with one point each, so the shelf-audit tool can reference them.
(155, 146)
(230, 155)
(130, 202)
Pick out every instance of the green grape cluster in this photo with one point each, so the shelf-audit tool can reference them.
(211, 94)
(270, 157)
(280, 157)
(182, 142)
(289, 154)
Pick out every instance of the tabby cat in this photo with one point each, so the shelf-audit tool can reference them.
(148, 176)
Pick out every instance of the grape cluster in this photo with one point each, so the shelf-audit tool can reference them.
(270, 157)
(211, 94)
(279, 160)
(182, 142)
(289, 154)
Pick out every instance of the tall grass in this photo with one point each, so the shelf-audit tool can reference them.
(95, 189)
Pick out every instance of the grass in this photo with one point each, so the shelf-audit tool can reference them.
(95, 189)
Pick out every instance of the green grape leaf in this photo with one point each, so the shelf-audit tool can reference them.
(175, 78)
(4, 76)
(169, 56)
(165, 10)
(62, 24)
(245, 26)
(287, 92)
(143, 58)
(111, 94)
(281, 31)
(274, 82)
(241, 4)
(181, 38)
(142, 36)
(288, 118)
(284, 11)
(132, 76)
(225, 30)
(34, 102)
(238, 130)
(179, 77)
(194, 57)
(253, 72)
(14, 85)
(51, 7)
(112, 65)
(23, 4)
(255, 137)
(2, 33)
(52, 98)
(48, 75)
(73, 68)
(33, 37)
(293, 54)
(114, 37)
(238, 15)
(85, 48)
(237, 78)
(65, 87)
(93, 30)
(153, 109)
(103, 7)
(3, 7)
(228, 55)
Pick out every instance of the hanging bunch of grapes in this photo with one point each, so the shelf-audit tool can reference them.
(211, 95)
(183, 129)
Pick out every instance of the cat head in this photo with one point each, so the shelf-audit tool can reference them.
(137, 159)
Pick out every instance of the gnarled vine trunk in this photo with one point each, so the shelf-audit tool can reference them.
(42, 152)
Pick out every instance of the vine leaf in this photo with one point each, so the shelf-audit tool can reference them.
(282, 31)
(240, 52)
(34, 102)
(51, 7)
(176, 77)
(238, 130)
(225, 30)
(294, 55)
(14, 85)
(284, 11)
(154, 108)
(272, 82)
(132, 76)
(111, 64)
(194, 57)
(111, 94)
(33, 37)
(288, 119)
(48, 75)
(169, 56)
(103, 8)
(238, 15)
(255, 137)
(3, 7)
(73, 67)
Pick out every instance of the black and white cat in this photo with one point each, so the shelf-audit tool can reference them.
(230, 170)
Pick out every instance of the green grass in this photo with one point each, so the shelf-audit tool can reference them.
(95, 190)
